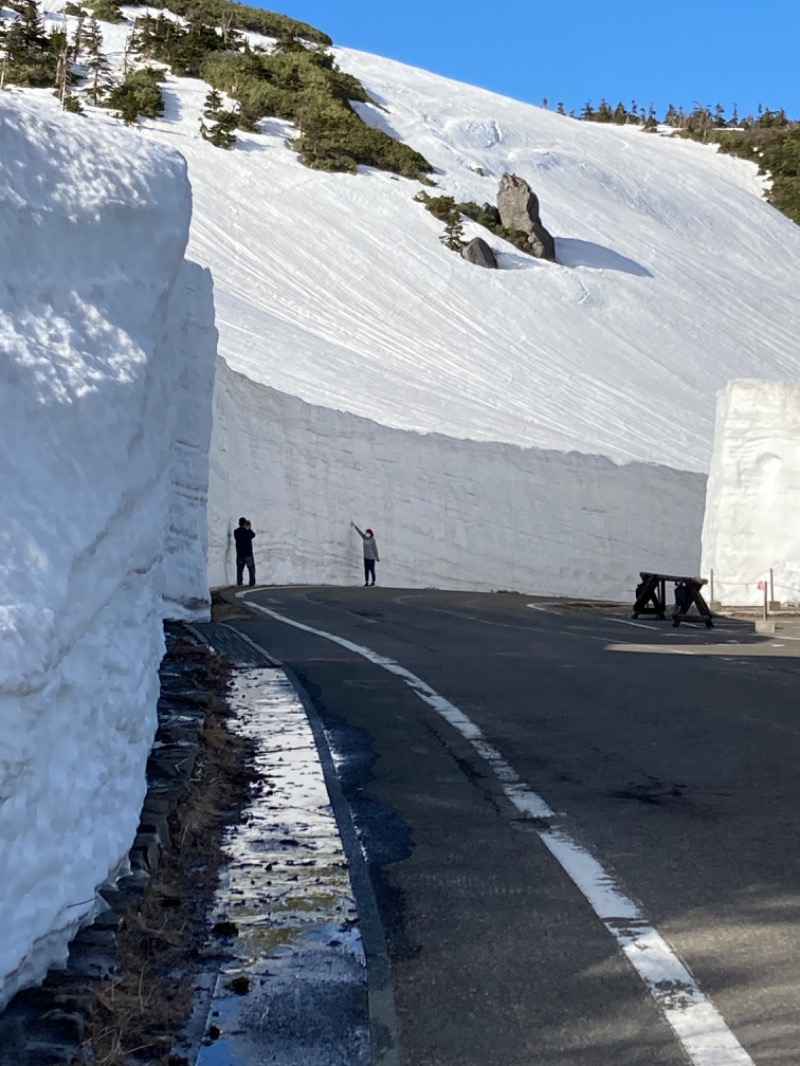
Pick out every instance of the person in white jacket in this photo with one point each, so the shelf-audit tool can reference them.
(370, 554)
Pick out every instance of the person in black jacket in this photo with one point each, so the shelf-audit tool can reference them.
(244, 537)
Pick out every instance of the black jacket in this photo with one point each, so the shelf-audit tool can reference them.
(244, 541)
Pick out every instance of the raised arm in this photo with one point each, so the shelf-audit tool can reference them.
(355, 527)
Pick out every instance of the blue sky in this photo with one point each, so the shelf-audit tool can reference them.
(711, 51)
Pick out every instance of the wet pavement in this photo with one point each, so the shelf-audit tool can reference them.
(288, 984)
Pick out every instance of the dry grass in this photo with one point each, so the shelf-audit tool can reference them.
(162, 940)
(229, 612)
(223, 610)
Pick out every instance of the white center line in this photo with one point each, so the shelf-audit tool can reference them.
(696, 1022)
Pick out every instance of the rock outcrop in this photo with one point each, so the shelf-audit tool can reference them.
(518, 206)
(479, 253)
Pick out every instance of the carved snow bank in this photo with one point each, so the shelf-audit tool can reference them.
(447, 513)
(104, 440)
(752, 517)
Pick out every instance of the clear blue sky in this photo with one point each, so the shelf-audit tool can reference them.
(742, 51)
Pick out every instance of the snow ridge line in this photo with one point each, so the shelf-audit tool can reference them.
(699, 1027)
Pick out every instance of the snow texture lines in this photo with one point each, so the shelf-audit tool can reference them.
(699, 1027)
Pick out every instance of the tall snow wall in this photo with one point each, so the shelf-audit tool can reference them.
(752, 517)
(447, 513)
(106, 371)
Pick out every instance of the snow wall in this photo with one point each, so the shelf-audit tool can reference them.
(752, 518)
(107, 352)
(447, 513)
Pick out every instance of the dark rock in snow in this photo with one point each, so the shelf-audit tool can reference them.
(491, 210)
(479, 253)
(542, 244)
(518, 206)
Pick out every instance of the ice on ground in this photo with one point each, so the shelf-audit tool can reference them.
(751, 523)
(93, 350)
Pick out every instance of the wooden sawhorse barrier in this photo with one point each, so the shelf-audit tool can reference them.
(651, 597)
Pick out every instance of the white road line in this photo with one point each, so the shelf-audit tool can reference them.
(696, 1022)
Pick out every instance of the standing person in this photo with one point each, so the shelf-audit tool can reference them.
(370, 554)
(244, 537)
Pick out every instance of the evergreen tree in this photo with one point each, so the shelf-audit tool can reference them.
(453, 236)
(651, 122)
(97, 63)
(28, 27)
(29, 58)
(560, 108)
(604, 112)
(77, 39)
(139, 94)
(223, 123)
(107, 11)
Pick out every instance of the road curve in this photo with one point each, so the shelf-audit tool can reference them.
(581, 832)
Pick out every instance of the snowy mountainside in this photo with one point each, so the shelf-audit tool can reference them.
(334, 290)
(674, 275)
(105, 403)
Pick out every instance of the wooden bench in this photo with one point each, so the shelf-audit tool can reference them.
(651, 597)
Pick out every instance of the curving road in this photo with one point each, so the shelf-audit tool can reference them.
(581, 833)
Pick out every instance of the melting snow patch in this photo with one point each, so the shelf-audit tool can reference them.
(292, 987)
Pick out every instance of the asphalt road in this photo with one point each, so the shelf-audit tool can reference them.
(670, 755)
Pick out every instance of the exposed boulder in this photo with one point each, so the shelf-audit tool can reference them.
(517, 203)
(541, 242)
(518, 206)
(479, 253)
(491, 211)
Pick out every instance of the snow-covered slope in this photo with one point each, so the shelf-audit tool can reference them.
(96, 303)
(674, 275)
